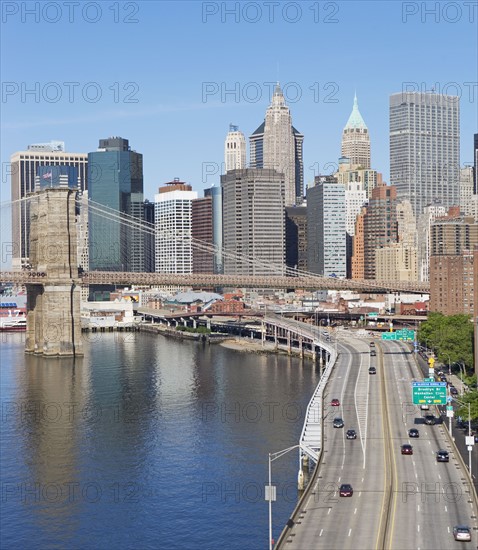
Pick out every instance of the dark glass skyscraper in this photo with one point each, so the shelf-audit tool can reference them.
(116, 182)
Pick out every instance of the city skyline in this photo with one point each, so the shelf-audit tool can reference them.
(191, 112)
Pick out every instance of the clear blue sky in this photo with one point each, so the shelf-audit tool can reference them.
(174, 48)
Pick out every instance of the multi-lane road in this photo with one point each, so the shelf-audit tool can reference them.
(399, 501)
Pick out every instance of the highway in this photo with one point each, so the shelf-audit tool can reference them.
(400, 501)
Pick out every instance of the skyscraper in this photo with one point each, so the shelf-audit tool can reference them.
(475, 166)
(24, 167)
(235, 149)
(356, 139)
(277, 145)
(115, 175)
(326, 235)
(202, 230)
(173, 205)
(380, 225)
(425, 148)
(253, 222)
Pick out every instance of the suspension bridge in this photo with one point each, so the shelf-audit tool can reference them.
(58, 244)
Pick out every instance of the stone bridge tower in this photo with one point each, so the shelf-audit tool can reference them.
(53, 308)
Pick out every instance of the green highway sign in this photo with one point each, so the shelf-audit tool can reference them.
(429, 380)
(373, 314)
(429, 393)
(402, 334)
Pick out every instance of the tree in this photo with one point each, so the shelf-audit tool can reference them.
(449, 336)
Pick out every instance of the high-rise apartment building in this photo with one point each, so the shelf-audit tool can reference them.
(380, 225)
(253, 222)
(406, 224)
(115, 176)
(425, 148)
(277, 145)
(453, 240)
(356, 139)
(24, 167)
(367, 178)
(396, 262)
(235, 149)
(173, 221)
(358, 252)
(296, 237)
(202, 233)
(466, 190)
(430, 213)
(355, 200)
(217, 237)
(326, 234)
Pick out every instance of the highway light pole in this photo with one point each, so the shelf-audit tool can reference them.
(270, 490)
(469, 442)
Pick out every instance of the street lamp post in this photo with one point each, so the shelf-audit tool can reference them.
(270, 494)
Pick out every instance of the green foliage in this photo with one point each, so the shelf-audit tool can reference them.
(197, 330)
(472, 398)
(449, 336)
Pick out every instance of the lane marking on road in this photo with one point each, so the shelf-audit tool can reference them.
(418, 507)
(355, 511)
(448, 526)
(446, 510)
(439, 476)
(321, 531)
(360, 494)
(329, 511)
(350, 531)
(418, 527)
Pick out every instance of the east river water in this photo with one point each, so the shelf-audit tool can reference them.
(147, 442)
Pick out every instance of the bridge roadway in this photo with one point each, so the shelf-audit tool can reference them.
(427, 498)
(309, 282)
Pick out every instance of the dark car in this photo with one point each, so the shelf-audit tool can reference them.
(338, 423)
(407, 450)
(462, 532)
(453, 390)
(476, 438)
(413, 433)
(351, 434)
(442, 378)
(442, 456)
(372, 344)
(346, 490)
(372, 370)
(373, 353)
(335, 403)
(430, 420)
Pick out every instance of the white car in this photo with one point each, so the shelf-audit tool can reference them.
(462, 532)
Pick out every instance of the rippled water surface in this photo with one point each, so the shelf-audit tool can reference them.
(147, 443)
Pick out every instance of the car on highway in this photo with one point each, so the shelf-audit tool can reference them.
(351, 434)
(338, 423)
(372, 344)
(430, 420)
(335, 403)
(443, 456)
(346, 490)
(442, 378)
(413, 433)
(373, 353)
(476, 438)
(407, 449)
(453, 390)
(462, 532)
(424, 407)
(372, 370)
